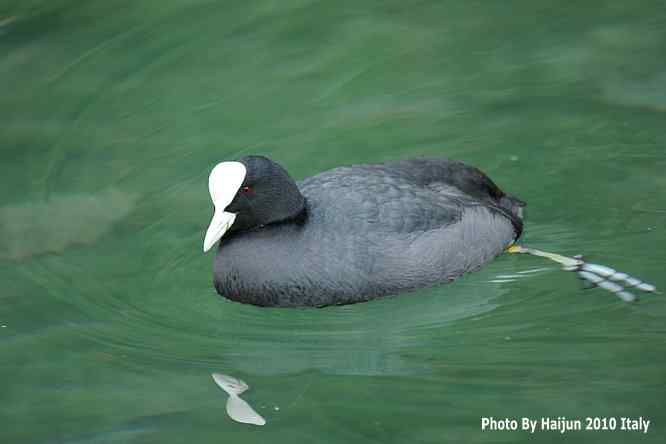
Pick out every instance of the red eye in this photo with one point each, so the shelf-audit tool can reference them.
(246, 189)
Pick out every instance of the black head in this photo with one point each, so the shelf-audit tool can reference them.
(250, 193)
(268, 195)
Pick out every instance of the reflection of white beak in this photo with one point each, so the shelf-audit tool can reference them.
(221, 222)
(223, 184)
(237, 408)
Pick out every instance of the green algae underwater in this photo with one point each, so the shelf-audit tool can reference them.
(115, 112)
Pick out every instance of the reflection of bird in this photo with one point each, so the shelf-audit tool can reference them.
(352, 233)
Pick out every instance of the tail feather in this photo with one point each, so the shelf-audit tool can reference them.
(513, 208)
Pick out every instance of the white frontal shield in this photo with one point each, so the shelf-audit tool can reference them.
(223, 183)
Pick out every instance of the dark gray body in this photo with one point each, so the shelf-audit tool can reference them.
(369, 231)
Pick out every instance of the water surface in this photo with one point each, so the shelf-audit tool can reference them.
(115, 112)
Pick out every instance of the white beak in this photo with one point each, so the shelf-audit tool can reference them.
(223, 183)
(221, 222)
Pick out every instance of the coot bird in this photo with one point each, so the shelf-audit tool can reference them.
(352, 233)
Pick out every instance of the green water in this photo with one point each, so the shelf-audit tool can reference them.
(113, 113)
